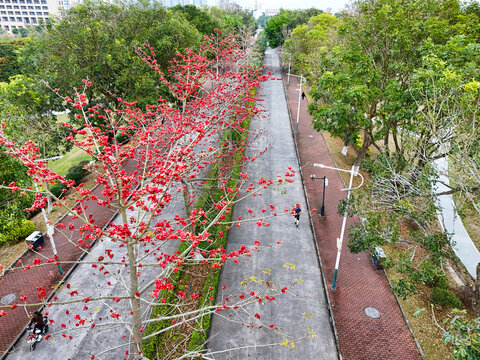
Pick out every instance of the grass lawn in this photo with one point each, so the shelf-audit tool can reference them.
(72, 158)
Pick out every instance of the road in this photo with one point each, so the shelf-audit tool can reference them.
(286, 256)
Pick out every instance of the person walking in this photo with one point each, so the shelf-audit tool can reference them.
(303, 95)
(297, 212)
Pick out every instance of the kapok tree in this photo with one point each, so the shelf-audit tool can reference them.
(170, 152)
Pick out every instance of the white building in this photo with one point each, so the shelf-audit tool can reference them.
(172, 3)
(23, 13)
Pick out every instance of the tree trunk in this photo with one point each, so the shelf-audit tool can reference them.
(346, 143)
(476, 298)
(134, 298)
(367, 141)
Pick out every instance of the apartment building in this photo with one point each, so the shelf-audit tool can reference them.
(23, 13)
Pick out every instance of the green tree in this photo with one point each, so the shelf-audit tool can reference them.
(365, 83)
(27, 111)
(198, 17)
(12, 204)
(279, 27)
(99, 40)
(308, 40)
(8, 57)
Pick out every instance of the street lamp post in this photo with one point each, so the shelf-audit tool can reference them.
(325, 183)
(299, 97)
(353, 172)
(49, 226)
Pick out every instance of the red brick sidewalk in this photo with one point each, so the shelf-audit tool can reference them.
(359, 285)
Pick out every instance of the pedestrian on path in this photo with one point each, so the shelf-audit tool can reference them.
(303, 95)
(296, 215)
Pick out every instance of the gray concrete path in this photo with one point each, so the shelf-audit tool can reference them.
(286, 257)
(109, 338)
(462, 244)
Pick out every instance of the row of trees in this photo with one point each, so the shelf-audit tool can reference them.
(171, 151)
(97, 40)
(399, 79)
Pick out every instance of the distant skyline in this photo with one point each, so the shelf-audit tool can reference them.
(292, 4)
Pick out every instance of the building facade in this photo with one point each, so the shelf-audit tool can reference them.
(22, 13)
(172, 3)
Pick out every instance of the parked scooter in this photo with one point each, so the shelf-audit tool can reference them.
(36, 331)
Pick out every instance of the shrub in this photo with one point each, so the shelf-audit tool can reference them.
(442, 282)
(79, 168)
(75, 176)
(16, 230)
(445, 298)
(57, 190)
(124, 136)
(26, 228)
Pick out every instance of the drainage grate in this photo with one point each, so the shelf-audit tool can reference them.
(371, 312)
(8, 299)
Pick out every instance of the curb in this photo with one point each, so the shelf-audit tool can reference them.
(325, 286)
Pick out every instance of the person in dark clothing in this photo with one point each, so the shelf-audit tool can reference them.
(303, 95)
(37, 321)
(298, 211)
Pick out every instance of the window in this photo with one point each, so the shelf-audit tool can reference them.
(10, 13)
(26, 20)
(19, 19)
(45, 7)
(23, 7)
(5, 18)
(34, 20)
(32, 12)
(30, 7)
(37, 7)
(17, 12)
(12, 18)
(24, 12)
(3, 12)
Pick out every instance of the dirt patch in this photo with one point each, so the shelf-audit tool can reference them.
(8, 254)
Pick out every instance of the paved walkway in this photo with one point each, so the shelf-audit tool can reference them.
(24, 283)
(287, 256)
(359, 285)
(462, 244)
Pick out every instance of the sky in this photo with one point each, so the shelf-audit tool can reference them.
(295, 4)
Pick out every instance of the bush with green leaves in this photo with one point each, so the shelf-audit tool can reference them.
(464, 335)
(76, 176)
(16, 231)
(27, 227)
(57, 189)
(445, 298)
